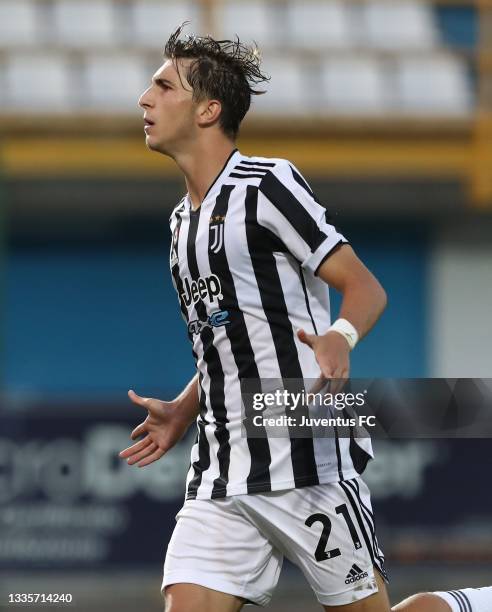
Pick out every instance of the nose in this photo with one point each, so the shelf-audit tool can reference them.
(144, 100)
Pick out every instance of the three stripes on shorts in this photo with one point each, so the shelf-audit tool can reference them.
(462, 600)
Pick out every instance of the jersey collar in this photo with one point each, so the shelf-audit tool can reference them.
(217, 182)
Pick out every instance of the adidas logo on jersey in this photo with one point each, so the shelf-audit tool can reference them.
(355, 574)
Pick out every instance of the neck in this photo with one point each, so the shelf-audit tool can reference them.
(201, 166)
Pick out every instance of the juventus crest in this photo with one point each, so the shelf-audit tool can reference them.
(217, 233)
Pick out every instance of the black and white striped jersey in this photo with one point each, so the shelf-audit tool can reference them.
(244, 267)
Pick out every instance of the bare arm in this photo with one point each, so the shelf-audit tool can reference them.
(165, 425)
(187, 402)
(363, 302)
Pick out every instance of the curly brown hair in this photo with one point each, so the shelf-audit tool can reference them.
(224, 70)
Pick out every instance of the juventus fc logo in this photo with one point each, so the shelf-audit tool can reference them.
(217, 229)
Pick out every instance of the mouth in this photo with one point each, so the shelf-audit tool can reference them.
(148, 125)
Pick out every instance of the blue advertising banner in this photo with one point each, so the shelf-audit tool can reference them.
(68, 501)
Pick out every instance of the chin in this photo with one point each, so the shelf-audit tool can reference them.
(158, 147)
(150, 144)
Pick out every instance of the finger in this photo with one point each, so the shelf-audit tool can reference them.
(138, 431)
(308, 339)
(340, 379)
(337, 383)
(157, 454)
(136, 399)
(328, 371)
(135, 448)
(148, 450)
(319, 385)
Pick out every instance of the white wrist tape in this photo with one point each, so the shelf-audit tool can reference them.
(347, 330)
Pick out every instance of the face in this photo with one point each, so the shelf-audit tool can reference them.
(169, 110)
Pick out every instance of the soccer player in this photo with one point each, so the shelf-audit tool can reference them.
(251, 257)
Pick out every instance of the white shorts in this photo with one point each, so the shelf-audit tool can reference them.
(236, 544)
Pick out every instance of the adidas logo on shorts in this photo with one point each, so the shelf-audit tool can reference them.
(355, 574)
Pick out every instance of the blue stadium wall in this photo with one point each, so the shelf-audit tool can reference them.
(97, 320)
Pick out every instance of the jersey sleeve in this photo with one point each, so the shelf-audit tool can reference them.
(289, 209)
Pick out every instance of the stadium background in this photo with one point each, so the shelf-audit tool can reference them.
(386, 107)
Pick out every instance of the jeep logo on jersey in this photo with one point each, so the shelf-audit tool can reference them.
(201, 289)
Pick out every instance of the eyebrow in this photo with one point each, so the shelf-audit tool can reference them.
(162, 81)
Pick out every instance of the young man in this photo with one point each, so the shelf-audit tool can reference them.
(252, 254)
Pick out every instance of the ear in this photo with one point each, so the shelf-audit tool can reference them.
(208, 112)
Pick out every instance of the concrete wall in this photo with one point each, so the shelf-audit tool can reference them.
(460, 301)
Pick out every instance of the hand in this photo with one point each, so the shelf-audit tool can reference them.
(162, 429)
(332, 354)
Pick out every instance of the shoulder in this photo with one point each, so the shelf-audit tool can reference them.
(266, 169)
(279, 180)
(270, 164)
